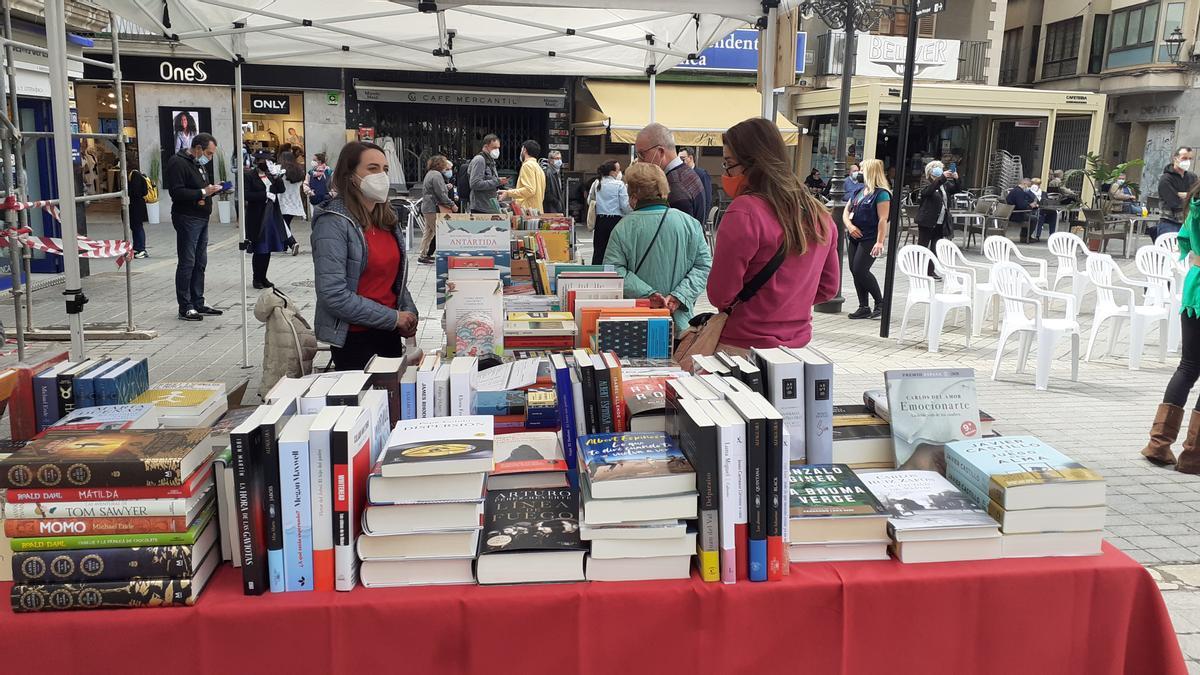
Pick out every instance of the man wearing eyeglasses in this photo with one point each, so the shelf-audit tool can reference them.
(656, 144)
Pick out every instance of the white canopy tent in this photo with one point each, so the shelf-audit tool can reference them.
(565, 37)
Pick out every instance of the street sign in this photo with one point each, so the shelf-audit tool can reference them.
(925, 7)
(738, 52)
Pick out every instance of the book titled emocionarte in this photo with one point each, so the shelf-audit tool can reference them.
(929, 408)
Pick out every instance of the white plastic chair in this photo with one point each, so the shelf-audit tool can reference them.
(1169, 241)
(951, 257)
(1158, 265)
(1119, 302)
(999, 249)
(1066, 248)
(1017, 292)
(913, 262)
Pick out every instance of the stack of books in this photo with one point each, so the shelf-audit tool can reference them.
(637, 488)
(185, 405)
(67, 385)
(422, 523)
(932, 521)
(861, 439)
(1047, 504)
(834, 516)
(528, 460)
(539, 330)
(134, 529)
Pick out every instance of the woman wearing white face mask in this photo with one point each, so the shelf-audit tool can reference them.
(933, 206)
(435, 199)
(363, 304)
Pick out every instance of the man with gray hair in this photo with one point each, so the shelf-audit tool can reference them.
(656, 144)
(553, 201)
(1023, 203)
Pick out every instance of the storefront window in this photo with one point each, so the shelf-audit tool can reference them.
(274, 119)
(97, 109)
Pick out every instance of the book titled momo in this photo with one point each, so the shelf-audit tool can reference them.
(439, 445)
(1021, 472)
(634, 464)
(929, 408)
(107, 459)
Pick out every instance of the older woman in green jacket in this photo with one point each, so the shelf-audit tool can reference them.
(660, 251)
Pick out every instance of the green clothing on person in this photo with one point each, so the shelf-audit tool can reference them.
(677, 263)
(1189, 243)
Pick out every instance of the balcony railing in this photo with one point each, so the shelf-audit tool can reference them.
(972, 57)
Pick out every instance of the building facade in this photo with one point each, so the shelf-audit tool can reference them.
(1119, 48)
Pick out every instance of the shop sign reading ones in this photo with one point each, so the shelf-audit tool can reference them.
(170, 72)
(270, 104)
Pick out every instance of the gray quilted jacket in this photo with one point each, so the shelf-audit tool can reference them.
(340, 258)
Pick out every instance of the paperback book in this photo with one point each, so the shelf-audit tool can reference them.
(531, 536)
(929, 408)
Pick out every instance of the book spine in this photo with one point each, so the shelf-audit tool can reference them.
(22, 410)
(251, 512)
(104, 388)
(99, 494)
(106, 473)
(296, 505)
(969, 488)
(441, 394)
(460, 393)
(101, 595)
(109, 509)
(786, 389)
(389, 382)
(775, 495)
(818, 413)
(85, 396)
(408, 400)
(756, 493)
(272, 508)
(729, 500)
(702, 449)
(103, 564)
(65, 395)
(658, 339)
(587, 379)
(224, 498)
(619, 413)
(564, 399)
(45, 389)
(604, 403)
(45, 527)
(425, 397)
(102, 541)
(343, 539)
(785, 516)
(320, 486)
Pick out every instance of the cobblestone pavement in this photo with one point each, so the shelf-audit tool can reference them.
(1102, 420)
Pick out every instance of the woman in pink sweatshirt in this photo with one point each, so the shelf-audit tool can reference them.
(771, 209)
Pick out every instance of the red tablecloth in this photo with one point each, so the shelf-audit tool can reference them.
(1092, 616)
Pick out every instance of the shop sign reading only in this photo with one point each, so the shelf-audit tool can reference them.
(270, 104)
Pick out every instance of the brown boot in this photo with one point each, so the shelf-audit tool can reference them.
(1163, 434)
(1189, 459)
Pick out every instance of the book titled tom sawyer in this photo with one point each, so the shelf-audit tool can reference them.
(107, 459)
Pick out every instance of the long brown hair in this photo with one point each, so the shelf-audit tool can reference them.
(762, 155)
(379, 215)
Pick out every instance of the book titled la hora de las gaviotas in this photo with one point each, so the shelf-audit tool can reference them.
(929, 408)
(438, 446)
(1021, 472)
(634, 464)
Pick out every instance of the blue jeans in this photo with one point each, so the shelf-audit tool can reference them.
(1164, 226)
(191, 245)
(1046, 217)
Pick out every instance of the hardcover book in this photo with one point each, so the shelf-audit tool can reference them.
(107, 459)
(634, 464)
(102, 418)
(113, 564)
(528, 460)
(56, 543)
(929, 408)
(923, 506)
(439, 445)
(824, 490)
(531, 536)
(114, 594)
(1021, 472)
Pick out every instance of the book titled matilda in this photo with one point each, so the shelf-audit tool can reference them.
(929, 408)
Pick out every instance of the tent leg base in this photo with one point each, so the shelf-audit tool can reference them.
(64, 334)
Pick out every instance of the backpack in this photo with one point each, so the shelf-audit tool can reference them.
(318, 182)
(151, 188)
(463, 182)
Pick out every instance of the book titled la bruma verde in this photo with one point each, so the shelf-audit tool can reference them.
(830, 490)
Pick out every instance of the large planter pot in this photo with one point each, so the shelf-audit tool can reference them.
(152, 213)
(224, 211)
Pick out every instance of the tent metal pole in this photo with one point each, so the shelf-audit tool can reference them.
(8, 140)
(583, 33)
(240, 179)
(123, 162)
(286, 24)
(56, 42)
(767, 57)
(653, 96)
(19, 164)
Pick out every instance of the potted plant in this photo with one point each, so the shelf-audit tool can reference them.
(1100, 173)
(224, 208)
(155, 172)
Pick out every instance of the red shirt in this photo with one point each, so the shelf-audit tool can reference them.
(378, 281)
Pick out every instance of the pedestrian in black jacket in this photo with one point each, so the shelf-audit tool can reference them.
(138, 215)
(189, 183)
(1023, 203)
(1173, 186)
(933, 206)
(264, 219)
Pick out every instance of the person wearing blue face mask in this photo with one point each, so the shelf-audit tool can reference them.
(435, 199)
(187, 177)
(553, 202)
(933, 206)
